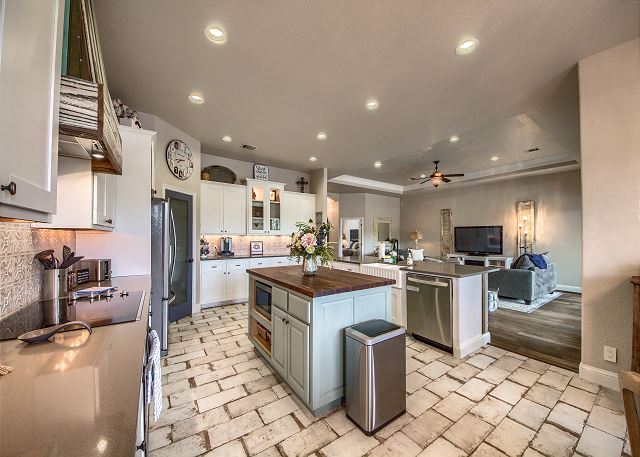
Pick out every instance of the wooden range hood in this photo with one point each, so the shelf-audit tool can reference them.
(88, 122)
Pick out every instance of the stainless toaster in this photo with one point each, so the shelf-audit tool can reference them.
(91, 270)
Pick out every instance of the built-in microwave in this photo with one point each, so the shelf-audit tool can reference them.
(263, 299)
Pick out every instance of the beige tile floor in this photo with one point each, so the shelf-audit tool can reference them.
(221, 399)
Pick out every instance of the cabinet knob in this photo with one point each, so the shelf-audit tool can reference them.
(11, 187)
(109, 221)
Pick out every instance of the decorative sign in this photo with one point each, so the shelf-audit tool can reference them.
(446, 240)
(256, 248)
(260, 172)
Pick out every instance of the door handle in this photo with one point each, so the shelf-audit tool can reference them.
(429, 283)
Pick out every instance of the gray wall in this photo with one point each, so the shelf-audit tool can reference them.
(558, 216)
(245, 170)
(370, 206)
(610, 139)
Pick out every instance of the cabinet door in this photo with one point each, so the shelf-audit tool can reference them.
(211, 209)
(307, 208)
(256, 208)
(290, 210)
(212, 283)
(234, 211)
(278, 262)
(30, 49)
(279, 343)
(273, 200)
(396, 307)
(237, 285)
(298, 360)
(104, 199)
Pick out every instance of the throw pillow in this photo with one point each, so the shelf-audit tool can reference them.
(417, 254)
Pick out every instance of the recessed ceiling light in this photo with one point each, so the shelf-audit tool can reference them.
(226, 139)
(372, 104)
(494, 158)
(377, 164)
(196, 98)
(321, 136)
(313, 158)
(97, 155)
(467, 47)
(423, 175)
(215, 34)
(453, 139)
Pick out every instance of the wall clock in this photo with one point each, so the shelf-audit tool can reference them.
(179, 159)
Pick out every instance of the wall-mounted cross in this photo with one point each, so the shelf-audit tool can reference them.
(302, 183)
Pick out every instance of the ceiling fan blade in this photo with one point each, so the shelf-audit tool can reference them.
(453, 175)
(445, 179)
(428, 179)
(413, 178)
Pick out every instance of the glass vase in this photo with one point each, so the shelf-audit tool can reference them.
(310, 265)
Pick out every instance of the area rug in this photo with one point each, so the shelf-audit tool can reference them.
(518, 305)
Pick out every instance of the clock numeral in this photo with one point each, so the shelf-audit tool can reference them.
(175, 170)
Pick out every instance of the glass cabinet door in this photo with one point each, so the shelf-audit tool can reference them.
(258, 216)
(274, 194)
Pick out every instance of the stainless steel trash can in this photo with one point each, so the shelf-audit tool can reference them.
(375, 374)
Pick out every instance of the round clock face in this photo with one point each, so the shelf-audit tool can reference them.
(179, 159)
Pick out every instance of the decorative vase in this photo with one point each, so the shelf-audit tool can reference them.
(310, 265)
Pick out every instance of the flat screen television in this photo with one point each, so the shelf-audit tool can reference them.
(481, 240)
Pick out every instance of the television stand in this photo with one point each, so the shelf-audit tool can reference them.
(499, 261)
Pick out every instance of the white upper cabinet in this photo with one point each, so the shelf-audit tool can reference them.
(104, 203)
(297, 207)
(30, 56)
(264, 207)
(222, 209)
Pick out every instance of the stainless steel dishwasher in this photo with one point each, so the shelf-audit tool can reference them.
(429, 309)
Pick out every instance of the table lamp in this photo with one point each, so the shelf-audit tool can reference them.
(416, 235)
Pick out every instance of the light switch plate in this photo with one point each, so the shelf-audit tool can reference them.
(610, 354)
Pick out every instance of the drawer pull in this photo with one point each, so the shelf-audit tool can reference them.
(11, 188)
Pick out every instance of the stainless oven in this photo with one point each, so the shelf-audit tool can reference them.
(262, 297)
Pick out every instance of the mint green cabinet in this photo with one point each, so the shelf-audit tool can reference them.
(298, 360)
(279, 344)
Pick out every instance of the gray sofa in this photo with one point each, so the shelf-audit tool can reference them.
(524, 284)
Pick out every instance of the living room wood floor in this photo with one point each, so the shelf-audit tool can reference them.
(550, 333)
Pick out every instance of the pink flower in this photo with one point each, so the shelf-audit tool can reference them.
(308, 239)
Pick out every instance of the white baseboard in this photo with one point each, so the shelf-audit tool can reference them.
(605, 378)
(467, 347)
(486, 338)
(574, 289)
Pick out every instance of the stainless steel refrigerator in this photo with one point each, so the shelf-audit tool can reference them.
(162, 249)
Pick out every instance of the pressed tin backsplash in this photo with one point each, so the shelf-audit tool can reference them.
(20, 278)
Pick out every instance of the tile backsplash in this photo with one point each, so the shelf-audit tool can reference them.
(270, 244)
(20, 278)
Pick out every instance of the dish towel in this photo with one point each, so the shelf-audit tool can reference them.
(154, 381)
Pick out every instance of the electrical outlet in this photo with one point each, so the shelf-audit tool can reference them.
(610, 354)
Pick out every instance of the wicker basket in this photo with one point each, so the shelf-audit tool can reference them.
(219, 173)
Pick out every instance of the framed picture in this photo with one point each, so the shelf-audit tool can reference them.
(256, 248)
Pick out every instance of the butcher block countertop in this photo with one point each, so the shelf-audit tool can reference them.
(325, 282)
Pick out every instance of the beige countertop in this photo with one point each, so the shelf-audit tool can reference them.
(449, 270)
(78, 394)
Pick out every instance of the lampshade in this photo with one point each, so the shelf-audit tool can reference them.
(415, 235)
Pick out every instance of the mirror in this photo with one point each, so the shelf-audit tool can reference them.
(381, 228)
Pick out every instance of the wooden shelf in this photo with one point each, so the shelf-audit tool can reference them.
(264, 343)
(261, 318)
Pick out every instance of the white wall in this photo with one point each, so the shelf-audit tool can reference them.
(558, 216)
(610, 141)
(244, 170)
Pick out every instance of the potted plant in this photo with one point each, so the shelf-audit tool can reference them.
(310, 243)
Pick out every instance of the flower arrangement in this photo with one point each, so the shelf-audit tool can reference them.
(310, 243)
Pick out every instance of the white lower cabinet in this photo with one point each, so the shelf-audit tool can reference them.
(290, 351)
(213, 282)
(278, 262)
(398, 307)
(347, 266)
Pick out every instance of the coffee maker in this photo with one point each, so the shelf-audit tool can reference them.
(226, 246)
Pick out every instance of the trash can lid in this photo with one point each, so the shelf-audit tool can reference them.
(374, 331)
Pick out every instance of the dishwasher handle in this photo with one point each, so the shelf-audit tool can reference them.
(429, 283)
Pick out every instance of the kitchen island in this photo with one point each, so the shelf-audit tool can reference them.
(447, 305)
(297, 324)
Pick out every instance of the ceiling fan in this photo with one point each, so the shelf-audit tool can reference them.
(437, 176)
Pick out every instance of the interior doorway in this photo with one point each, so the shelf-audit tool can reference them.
(351, 237)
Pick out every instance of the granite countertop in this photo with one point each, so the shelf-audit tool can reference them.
(325, 282)
(448, 270)
(232, 257)
(78, 394)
